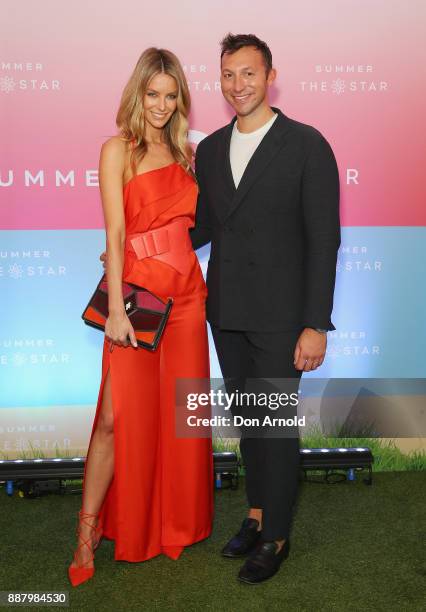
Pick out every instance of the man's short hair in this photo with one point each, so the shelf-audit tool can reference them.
(234, 42)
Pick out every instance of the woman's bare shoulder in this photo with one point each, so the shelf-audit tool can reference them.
(116, 145)
(114, 153)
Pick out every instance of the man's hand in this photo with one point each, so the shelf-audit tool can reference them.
(103, 258)
(310, 350)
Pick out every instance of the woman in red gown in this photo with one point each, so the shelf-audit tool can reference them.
(143, 487)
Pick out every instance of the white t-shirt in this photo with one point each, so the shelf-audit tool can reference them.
(243, 145)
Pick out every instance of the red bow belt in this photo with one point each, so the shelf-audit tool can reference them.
(169, 243)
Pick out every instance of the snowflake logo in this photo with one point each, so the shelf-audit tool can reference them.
(338, 86)
(332, 351)
(19, 359)
(7, 84)
(15, 271)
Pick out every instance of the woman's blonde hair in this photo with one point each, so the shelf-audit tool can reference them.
(130, 117)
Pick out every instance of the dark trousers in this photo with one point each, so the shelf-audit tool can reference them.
(271, 463)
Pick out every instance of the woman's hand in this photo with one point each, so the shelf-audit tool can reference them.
(118, 330)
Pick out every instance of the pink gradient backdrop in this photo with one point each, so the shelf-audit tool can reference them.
(91, 48)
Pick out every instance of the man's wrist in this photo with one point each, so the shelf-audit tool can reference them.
(320, 330)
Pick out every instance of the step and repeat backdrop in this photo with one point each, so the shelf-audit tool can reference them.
(353, 70)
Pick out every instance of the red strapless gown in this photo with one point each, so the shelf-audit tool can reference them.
(161, 497)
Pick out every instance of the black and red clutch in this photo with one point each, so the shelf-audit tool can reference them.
(148, 314)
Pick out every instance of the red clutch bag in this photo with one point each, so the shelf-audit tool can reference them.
(148, 314)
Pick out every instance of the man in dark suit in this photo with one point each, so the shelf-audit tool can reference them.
(269, 205)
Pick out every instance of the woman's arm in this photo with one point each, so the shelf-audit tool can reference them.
(111, 168)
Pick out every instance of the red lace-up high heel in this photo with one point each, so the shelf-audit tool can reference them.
(82, 573)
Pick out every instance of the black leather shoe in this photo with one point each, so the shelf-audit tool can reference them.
(244, 541)
(264, 562)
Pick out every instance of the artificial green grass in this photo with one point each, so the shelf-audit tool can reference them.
(387, 456)
(354, 547)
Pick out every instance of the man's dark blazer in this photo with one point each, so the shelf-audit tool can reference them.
(274, 240)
